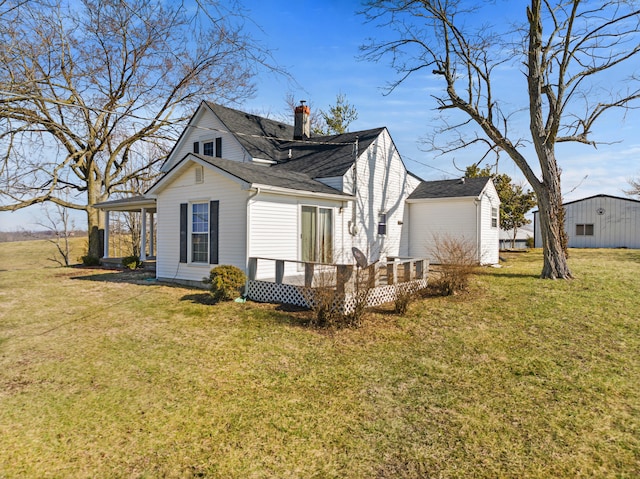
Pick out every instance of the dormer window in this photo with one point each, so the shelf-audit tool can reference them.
(213, 148)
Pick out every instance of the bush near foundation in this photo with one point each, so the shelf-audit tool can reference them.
(227, 282)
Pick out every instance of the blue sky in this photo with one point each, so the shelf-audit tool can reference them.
(318, 41)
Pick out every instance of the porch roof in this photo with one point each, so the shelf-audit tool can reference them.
(134, 203)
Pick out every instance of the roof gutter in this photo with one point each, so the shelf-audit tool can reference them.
(290, 192)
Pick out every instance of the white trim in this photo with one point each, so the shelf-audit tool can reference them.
(191, 233)
(333, 228)
(301, 193)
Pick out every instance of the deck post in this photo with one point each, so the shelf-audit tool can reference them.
(343, 275)
(420, 269)
(253, 268)
(372, 275)
(392, 272)
(408, 270)
(279, 271)
(308, 274)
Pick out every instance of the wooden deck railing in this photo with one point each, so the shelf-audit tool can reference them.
(394, 270)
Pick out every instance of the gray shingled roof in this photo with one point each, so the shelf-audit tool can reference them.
(318, 157)
(261, 137)
(450, 188)
(326, 156)
(265, 175)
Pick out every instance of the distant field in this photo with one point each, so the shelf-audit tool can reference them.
(111, 374)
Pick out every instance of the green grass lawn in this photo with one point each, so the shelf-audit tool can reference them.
(108, 374)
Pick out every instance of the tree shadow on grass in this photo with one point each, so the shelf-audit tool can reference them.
(120, 276)
(278, 312)
(502, 273)
(200, 298)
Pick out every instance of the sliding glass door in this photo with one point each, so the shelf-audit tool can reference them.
(317, 234)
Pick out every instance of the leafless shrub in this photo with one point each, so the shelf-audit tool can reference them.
(61, 227)
(328, 305)
(404, 297)
(458, 259)
(322, 298)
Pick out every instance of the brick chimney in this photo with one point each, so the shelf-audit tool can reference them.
(302, 121)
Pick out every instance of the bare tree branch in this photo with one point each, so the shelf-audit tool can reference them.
(565, 47)
(85, 86)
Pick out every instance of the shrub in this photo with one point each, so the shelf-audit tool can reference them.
(131, 262)
(404, 297)
(328, 306)
(458, 259)
(226, 282)
(530, 242)
(90, 260)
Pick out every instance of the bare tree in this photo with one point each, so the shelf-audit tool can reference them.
(635, 187)
(61, 227)
(565, 46)
(85, 85)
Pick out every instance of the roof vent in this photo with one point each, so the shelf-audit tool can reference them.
(199, 174)
(302, 122)
(462, 180)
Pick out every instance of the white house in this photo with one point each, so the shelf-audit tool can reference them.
(600, 221)
(238, 186)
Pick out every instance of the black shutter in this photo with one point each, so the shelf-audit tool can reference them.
(196, 147)
(183, 232)
(219, 147)
(214, 208)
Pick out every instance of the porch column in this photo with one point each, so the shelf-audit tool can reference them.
(143, 235)
(105, 251)
(152, 252)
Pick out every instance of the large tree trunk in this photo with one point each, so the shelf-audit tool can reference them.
(551, 216)
(95, 219)
(95, 223)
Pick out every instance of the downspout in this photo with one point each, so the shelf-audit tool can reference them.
(247, 234)
(353, 229)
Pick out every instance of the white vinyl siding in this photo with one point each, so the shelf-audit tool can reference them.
(383, 187)
(431, 219)
(489, 240)
(275, 229)
(334, 182)
(232, 223)
(209, 128)
(468, 219)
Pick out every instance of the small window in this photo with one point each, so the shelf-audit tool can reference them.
(200, 233)
(207, 148)
(494, 217)
(584, 229)
(196, 147)
(219, 147)
(382, 224)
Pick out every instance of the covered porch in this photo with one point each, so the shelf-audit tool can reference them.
(142, 230)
